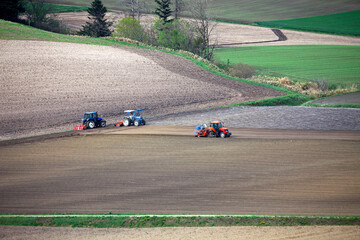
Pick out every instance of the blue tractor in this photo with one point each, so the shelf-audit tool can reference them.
(92, 120)
(133, 117)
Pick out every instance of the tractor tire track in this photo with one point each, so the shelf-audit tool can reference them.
(281, 37)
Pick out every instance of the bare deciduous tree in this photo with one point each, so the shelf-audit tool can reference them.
(134, 8)
(204, 25)
(178, 7)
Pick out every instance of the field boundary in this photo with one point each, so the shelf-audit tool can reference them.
(281, 37)
(183, 220)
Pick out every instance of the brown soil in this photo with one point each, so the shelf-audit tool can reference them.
(228, 34)
(350, 98)
(298, 173)
(47, 86)
(229, 233)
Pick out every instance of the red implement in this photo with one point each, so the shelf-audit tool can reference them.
(119, 124)
(80, 127)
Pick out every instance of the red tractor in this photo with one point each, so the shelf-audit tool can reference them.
(216, 129)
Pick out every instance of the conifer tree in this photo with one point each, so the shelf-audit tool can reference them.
(98, 26)
(163, 10)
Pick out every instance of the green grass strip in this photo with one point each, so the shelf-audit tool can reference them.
(288, 100)
(118, 221)
(309, 104)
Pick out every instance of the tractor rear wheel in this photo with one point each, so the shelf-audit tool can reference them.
(144, 122)
(126, 122)
(103, 124)
(211, 134)
(90, 124)
(136, 123)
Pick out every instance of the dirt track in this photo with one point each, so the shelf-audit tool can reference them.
(219, 233)
(47, 86)
(182, 174)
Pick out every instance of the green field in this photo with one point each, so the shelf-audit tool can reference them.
(57, 8)
(252, 10)
(337, 64)
(347, 23)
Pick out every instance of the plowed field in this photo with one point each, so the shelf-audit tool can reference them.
(47, 86)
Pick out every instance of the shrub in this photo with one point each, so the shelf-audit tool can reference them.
(241, 70)
(130, 28)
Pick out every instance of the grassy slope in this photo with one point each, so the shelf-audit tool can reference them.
(10, 30)
(255, 10)
(337, 64)
(347, 23)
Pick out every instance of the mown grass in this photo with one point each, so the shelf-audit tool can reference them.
(347, 23)
(180, 221)
(337, 64)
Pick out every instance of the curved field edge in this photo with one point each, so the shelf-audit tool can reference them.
(16, 31)
(148, 221)
(347, 23)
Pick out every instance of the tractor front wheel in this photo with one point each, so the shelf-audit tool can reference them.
(126, 122)
(136, 123)
(222, 135)
(90, 124)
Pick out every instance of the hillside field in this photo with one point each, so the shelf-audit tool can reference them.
(337, 64)
(251, 11)
(347, 23)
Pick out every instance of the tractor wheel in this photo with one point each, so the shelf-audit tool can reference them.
(126, 122)
(136, 123)
(103, 124)
(211, 134)
(144, 122)
(222, 135)
(90, 124)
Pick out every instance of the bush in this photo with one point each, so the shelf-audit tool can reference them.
(177, 35)
(241, 70)
(130, 28)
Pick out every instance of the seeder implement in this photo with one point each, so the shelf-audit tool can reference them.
(119, 124)
(80, 127)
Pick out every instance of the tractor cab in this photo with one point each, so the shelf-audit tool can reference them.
(133, 117)
(217, 129)
(91, 120)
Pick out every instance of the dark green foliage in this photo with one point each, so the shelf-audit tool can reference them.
(37, 13)
(9, 9)
(163, 10)
(98, 26)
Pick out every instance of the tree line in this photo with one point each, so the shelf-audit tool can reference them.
(168, 30)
